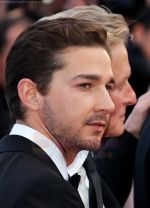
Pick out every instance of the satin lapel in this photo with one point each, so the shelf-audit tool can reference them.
(95, 183)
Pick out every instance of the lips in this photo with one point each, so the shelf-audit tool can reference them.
(98, 125)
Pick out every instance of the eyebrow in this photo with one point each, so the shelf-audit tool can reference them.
(91, 77)
(88, 76)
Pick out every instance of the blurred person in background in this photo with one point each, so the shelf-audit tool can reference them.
(46, 7)
(35, 9)
(128, 8)
(9, 30)
(139, 52)
(2, 10)
(40, 8)
(68, 4)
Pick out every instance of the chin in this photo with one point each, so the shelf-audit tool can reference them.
(95, 146)
(90, 145)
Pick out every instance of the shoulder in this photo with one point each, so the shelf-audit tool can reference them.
(24, 178)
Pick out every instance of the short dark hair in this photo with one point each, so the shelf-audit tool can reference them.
(34, 54)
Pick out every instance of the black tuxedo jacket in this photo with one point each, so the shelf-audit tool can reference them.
(30, 179)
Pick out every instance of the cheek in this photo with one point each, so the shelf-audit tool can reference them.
(116, 123)
(70, 107)
(117, 100)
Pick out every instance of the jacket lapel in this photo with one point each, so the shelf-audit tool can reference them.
(15, 143)
(99, 192)
(95, 192)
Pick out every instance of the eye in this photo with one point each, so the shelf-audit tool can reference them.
(85, 85)
(109, 87)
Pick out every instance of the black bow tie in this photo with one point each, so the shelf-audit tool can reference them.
(74, 180)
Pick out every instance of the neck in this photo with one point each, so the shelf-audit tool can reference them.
(70, 157)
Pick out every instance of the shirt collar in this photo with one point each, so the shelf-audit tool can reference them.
(45, 143)
(76, 165)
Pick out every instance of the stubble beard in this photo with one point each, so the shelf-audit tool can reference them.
(65, 135)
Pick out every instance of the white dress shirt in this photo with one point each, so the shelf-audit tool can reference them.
(77, 167)
(57, 157)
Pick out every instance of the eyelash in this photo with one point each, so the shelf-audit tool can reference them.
(89, 86)
(85, 85)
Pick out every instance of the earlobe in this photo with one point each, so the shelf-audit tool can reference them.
(27, 91)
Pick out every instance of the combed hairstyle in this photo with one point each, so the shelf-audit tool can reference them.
(35, 54)
(114, 24)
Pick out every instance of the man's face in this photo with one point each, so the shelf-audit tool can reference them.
(122, 94)
(77, 106)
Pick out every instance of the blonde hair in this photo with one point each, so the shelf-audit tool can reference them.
(114, 24)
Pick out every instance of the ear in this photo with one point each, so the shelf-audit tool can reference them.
(28, 94)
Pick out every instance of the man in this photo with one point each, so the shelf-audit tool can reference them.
(58, 77)
(121, 94)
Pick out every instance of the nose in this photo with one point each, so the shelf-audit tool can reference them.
(131, 96)
(104, 102)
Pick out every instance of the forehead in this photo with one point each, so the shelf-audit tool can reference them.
(120, 63)
(81, 60)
